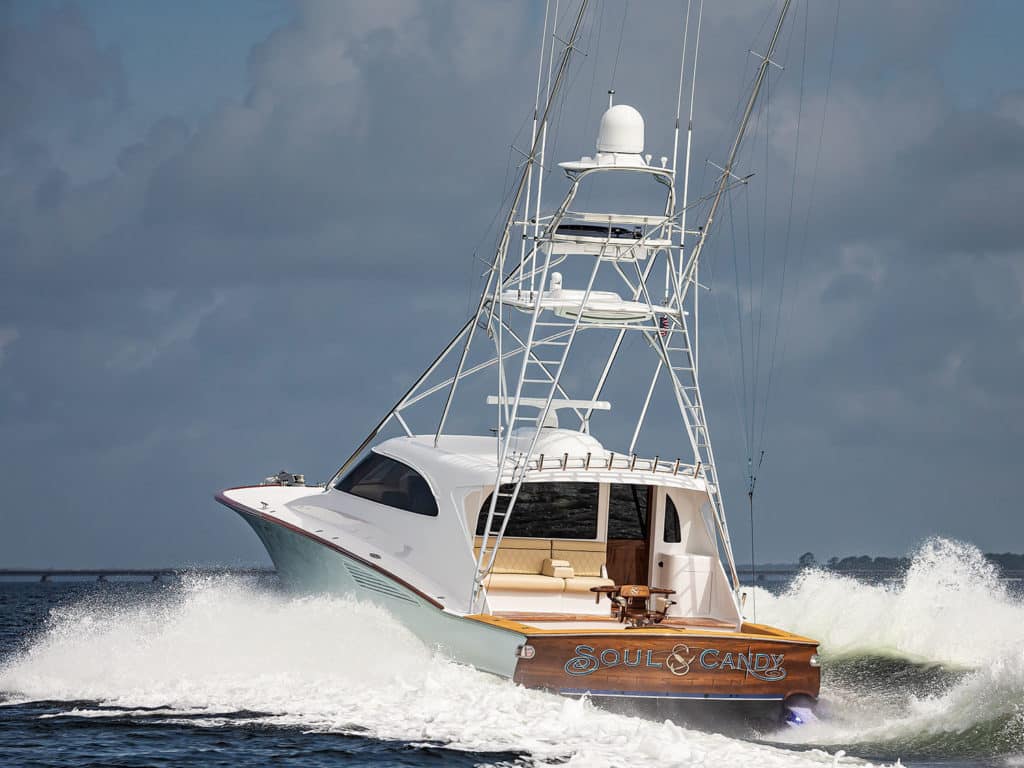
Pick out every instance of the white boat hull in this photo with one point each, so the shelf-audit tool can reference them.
(307, 565)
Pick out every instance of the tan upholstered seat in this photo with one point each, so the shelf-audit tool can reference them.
(524, 582)
(586, 557)
(549, 566)
(519, 555)
(579, 584)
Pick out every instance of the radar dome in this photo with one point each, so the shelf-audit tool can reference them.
(622, 130)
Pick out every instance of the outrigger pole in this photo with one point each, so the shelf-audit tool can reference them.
(470, 325)
(689, 274)
(723, 181)
(510, 219)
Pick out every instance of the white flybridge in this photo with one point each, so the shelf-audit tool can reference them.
(534, 550)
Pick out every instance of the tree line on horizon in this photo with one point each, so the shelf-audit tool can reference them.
(1007, 561)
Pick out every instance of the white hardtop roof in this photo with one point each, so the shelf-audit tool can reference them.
(471, 460)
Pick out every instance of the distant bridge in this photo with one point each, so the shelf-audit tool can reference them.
(158, 574)
(106, 574)
(1008, 574)
(883, 573)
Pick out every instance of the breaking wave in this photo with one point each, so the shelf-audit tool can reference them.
(950, 608)
(931, 664)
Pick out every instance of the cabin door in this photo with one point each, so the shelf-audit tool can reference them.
(629, 533)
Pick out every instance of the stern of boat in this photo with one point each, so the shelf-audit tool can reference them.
(760, 668)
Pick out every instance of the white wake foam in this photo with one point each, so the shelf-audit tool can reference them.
(950, 609)
(219, 646)
(990, 698)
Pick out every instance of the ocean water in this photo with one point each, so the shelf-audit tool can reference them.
(926, 669)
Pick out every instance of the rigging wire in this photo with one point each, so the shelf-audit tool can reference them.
(749, 309)
(801, 254)
(757, 436)
(473, 278)
(753, 560)
(756, 329)
(618, 51)
(776, 350)
(765, 185)
(596, 48)
(758, 401)
(739, 322)
(558, 109)
(789, 220)
(759, 325)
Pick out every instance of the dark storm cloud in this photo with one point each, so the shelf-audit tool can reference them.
(55, 76)
(246, 290)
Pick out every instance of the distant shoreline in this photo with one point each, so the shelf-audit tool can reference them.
(1005, 561)
(1010, 565)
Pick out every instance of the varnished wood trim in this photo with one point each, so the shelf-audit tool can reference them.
(526, 616)
(617, 630)
(673, 622)
(681, 633)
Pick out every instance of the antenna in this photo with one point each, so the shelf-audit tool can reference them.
(533, 134)
(679, 92)
(686, 192)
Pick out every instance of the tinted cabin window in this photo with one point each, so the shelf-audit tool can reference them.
(548, 511)
(672, 533)
(627, 512)
(390, 482)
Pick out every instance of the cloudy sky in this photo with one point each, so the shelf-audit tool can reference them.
(231, 232)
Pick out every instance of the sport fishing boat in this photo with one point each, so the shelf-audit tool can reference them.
(533, 549)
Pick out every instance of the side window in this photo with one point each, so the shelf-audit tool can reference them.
(548, 511)
(627, 512)
(390, 482)
(672, 533)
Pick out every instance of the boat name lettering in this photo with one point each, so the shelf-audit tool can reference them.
(679, 661)
(588, 660)
(763, 666)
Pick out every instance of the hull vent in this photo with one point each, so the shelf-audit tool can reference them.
(374, 582)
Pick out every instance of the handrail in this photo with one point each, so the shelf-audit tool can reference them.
(614, 462)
